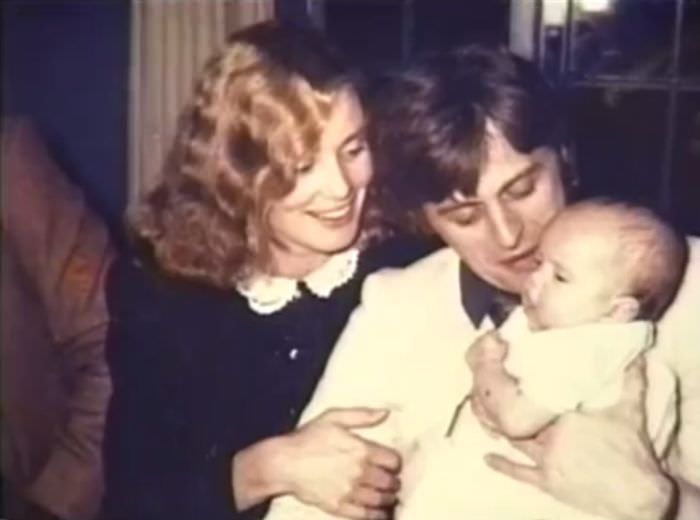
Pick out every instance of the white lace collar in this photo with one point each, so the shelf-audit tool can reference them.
(268, 294)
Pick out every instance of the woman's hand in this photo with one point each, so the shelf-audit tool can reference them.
(602, 462)
(324, 464)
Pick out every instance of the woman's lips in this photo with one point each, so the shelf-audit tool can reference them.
(336, 216)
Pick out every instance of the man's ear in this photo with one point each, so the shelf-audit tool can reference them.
(623, 309)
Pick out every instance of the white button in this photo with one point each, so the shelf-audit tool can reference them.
(293, 353)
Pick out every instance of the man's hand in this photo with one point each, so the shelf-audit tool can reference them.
(602, 463)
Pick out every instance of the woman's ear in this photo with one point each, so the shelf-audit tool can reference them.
(623, 309)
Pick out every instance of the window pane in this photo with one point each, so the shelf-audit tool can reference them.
(368, 32)
(631, 38)
(686, 171)
(690, 42)
(441, 24)
(619, 142)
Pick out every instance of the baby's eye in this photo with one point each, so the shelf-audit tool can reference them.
(304, 167)
(560, 277)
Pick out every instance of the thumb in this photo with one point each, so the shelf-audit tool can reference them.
(631, 407)
(522, 472)
(494, 345)
(357, 417)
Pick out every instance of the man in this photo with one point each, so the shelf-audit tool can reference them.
(55, 382)
(469, 144)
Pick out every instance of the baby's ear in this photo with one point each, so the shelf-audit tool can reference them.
(623, 309)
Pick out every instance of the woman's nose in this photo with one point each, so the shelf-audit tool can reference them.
(336, 184)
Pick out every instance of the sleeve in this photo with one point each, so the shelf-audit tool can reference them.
(65, 250)
(159, 463)
(358, 374)
(679, 339)
(562, 369)
(661, 402)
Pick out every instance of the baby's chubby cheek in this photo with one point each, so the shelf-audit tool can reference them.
(530, 309)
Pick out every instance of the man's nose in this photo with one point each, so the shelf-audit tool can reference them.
(507, 226)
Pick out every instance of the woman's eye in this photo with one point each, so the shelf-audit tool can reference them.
(355, 148)
(560, 278)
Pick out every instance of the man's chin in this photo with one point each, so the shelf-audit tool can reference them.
(509, 281)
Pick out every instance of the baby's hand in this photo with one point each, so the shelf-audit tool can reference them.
(487, 348)
(482, 414)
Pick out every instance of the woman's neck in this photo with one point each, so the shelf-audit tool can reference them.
(290, 264)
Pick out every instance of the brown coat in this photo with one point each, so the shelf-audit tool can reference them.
(55, 384)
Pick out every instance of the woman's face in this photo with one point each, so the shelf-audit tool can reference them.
(322, 213)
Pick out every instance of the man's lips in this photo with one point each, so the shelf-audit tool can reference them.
(524, 261)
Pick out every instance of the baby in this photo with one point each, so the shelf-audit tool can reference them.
(606, 271)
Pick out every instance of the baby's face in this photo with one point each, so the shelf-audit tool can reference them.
(577, 277)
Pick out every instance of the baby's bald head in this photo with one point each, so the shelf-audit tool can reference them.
(648, 256)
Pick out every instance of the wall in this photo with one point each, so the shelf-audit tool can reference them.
(65, 64)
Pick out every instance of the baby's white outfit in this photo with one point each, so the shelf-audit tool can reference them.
(565, 369)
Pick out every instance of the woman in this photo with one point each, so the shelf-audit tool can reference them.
(253, 266)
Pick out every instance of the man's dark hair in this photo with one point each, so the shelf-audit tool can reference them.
(428, 121)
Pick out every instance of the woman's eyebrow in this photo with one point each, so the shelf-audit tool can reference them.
(457, 205)
(354, 135)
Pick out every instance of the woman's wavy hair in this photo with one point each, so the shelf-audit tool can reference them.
(258, 111)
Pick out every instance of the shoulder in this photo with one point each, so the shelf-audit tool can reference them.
(692, 274)
(136, 288)
(160, 324)
(687, 301)
(414, 285)
(678, 336)
(397, 251)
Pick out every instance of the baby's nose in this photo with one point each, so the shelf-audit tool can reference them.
(533, 284)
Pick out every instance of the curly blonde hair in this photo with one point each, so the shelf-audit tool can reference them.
(258, 111)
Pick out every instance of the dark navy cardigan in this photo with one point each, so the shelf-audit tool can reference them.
(198, 376)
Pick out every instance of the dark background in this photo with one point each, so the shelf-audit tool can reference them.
(65, 64)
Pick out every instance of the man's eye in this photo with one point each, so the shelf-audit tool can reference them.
(522, 187)
(466, 218)
(560, 278)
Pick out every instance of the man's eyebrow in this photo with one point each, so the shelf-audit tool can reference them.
(461, 204)
(528, 170)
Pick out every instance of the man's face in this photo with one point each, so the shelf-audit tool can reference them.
(496, 230)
